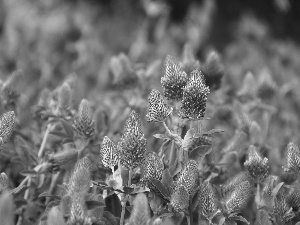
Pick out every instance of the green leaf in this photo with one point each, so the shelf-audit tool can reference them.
(45, 194)
(239, 218)
(175, 168)
(162, 136)
(28, 173)
(128, 190)
(276, 189)
(68, 128)
(167, 180)
(66, 141)
(59, 134)
(93, 204)
(162, 189)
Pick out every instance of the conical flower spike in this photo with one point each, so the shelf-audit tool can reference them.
(258, 167)
(84, 123)
(292, 158)
(158, 110)
(108, 153)
(7, 123)
(173, 80)
(193, 103)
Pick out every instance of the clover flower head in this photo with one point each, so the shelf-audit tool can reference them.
(248, 89)
(84, 123)
(108, 153)
(292, 158)
(132, 146)
(207, 200)
(193, 103)
(7, 122)
(158, 110)
(180, 199)
(239, 197)
(189, 176)
(213, 70)
(258, 167)
(173, 80)
(152, 167)
(266, 88)
(3, 181)
(81, 177)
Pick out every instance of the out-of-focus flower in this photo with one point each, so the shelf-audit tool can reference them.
(64, 97)
(193, 103)
(239, 197)
(258, 167)
(81, 177)
(7, 122)
(248, 90)
(108, 153)
(292, 158)
(84, 123)
(228, 189)
(207, 200)
(173, 80)
(158, 110)
(132, 146)
(141, 212)
(180, 199)
(189, 177)
(213, 70)
(3, 181)
(78, 211)
(123, 72)
(266, 88)
(152, 167)
(189, 63)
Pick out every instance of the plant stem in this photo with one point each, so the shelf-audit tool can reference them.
(188, 220)
(41, 150)
(129, 177)
(172, 153)
(26, 195)
(123, 212)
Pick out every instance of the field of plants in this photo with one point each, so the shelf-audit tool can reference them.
(150, 112)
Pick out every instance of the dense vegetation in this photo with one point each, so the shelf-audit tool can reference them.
(126, 113)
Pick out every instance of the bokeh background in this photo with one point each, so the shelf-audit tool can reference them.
(49, 40)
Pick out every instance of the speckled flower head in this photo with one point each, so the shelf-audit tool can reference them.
(132, 146)
(282, 209)
(228, 189)
(292, 158)
(207, 200)
(239, 197)
(152, 167)
(7, 122)
(258, 167)
(173, 80)
(108, 153)
(180, 199)
(84, 123)
(189, 177)
(158, 110)
(3, 181)
(193, 103)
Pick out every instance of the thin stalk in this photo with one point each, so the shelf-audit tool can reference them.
(26, 195)
(123, 212)
(129, 177)
(172, 152)
(188, 220)
(53, 185)
(41, 150)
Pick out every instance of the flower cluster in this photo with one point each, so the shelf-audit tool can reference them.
(7, 122)
(132, 146)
